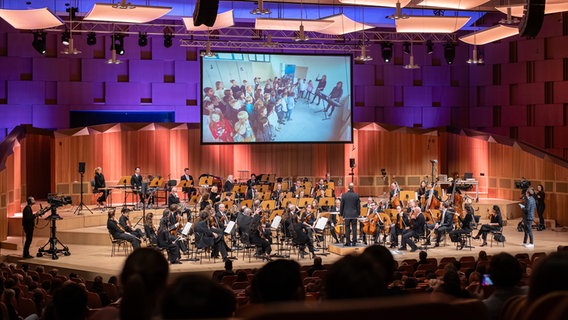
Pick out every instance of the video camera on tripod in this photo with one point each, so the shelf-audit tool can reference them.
(55, 201)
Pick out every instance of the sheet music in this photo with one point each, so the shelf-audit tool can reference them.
(276, 222)
(320, 224)
(186, 229)
(229, 227)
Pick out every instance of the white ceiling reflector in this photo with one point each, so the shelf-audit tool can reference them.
(224, 20)
(31, 19)
(453, 4)
(489, 35)
(431, 24)
(377, 3)
(129, 14)
(291, 24)
(343, 25)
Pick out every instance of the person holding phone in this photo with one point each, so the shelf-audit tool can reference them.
(505, 274)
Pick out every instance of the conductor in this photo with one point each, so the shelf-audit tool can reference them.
(350, 210)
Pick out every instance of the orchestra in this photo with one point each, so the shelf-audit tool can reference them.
(300, 206)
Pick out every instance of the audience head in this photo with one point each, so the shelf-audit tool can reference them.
(505, 270)
(70, 301)
(354, 277)
(423, 255)
(143, 279)
(384, 258)
(277, 281)
(228, 265)
(317, 261)
(196, 297)
(549, 275)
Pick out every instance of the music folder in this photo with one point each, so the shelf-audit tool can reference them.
(186, 229)
(229, 227)
(276, 222)
(320, 224)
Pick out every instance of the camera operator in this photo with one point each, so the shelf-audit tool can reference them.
(28, 222)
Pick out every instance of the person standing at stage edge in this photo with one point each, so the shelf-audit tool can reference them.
(28, 222)
(350, 210)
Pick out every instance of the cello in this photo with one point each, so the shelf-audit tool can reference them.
(396, 201)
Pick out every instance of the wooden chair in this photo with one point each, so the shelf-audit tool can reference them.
(546, 307)
(111, 290)
(322, 274)
(513, 308)
(246, 203)
(117, 244)
(94, 300)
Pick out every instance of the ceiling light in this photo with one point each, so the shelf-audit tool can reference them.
(510, 19)
(398, 13)
(406, 47)
(386, 51)
(113, 59)
(260, 9)
(453, 4)
(142, 39)
(207, 52)
(429, 47)
(475, 59)
(117, 43)
(123, 5)
(91, 38)
(411, 64)
(65, 37)
(301, 34)
(168, 39)
(450, 52)
(70, 49)
(39, 42)
(363, 57)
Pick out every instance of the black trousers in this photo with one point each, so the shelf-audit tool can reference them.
(351, 228)
(29, 236)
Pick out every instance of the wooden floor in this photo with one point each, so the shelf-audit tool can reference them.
(90, 247)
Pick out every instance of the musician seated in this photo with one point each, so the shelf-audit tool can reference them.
(214, 195)
(166, 241)
(466, 226)
(446, 222)
(124, 222)
(257, 237)
(150, 229)
(136, 183)
(399, 226)
(495, 224)
(251, 192)
(300, 236)
(207, 237)
(413, 232)
(99, 183)
(173, 198)
(117, 232)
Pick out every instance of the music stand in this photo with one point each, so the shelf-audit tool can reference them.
(302, 202)
(81, 204)
(184, 184)
(321, 224)
(326, 202)
(277, 219)
(268, 204)
(124, 182)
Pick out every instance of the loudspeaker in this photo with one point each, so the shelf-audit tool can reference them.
(205, 12)
(352, 163)
(81, 167)
(532, 19)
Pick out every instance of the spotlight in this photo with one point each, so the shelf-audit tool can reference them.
(117, 43)
(91, 39)
(168, 40)
(429, 47)
(406, 47)
(260, 10)
(301, 34)
(450, 52)
(142, 39)
(39, 42)
(65, 37)
(386, 51)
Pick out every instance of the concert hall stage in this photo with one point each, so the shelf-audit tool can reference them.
(89, 244)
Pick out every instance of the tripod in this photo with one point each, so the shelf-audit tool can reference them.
(53, 241)
(81, 204)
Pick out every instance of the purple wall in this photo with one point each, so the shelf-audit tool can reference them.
(521, 90)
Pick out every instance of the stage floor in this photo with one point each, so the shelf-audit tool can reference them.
(90, 249)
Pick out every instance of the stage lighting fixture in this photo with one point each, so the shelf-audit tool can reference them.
(168, 40)
(386, 51)
(39, 42)
(429, 47)
(91, 39)
(117, 43)
(406, 47)
(450, 52)
(142, 39)
(65, 37)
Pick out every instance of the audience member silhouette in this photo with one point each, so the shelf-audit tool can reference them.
(196, 297)
(277, 281)
(353, 277)
(549, 275)
(70, 302)
(316, 266)
(505, 273)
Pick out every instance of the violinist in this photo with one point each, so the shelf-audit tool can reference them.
(397, 228)
(252, 192)
(446, 222)
(301, 237)
(173, 198)
(466, 226)
(296, 187)
(495, 224)
(257, 238)
(278, 194)
(150, 229)
(208, 237)
(166, 241)
(415, 231)
(124, 222)
(118, 232)
(221, 216)
(319, 187)
(308, 218)
(244, 220)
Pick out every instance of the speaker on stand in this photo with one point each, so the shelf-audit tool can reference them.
(532, 20)
(352, 166)
(79, 208)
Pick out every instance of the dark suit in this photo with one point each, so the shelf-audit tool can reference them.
(350, 210)
(123, 221)
(228, 186)
(466, 226)
(206, 239)
(166, 241)
(302, 238)
(190, 190)
(100, 183)
(251, 193)
(28, 222)
(416, 230)
(136, 183)
(118, 233)
(173, 199)
(446, 224)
